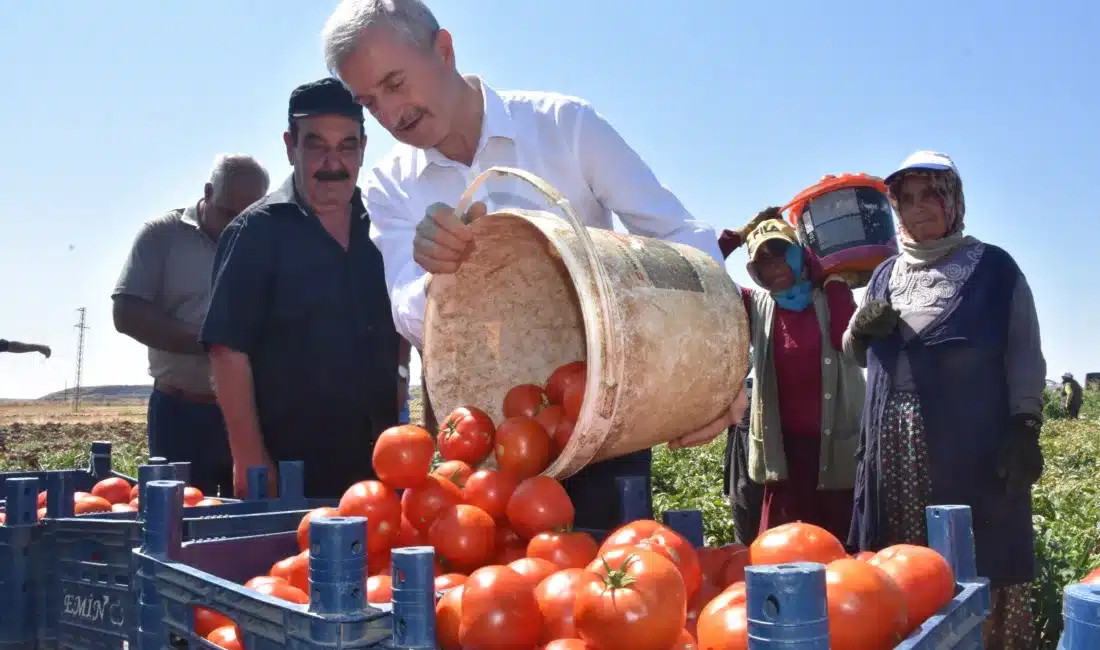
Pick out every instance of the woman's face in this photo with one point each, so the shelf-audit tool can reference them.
(772, 268)
(921, 209)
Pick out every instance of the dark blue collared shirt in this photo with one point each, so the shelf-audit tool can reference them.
(316, 324)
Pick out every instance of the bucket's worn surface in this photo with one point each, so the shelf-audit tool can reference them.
(662, 327)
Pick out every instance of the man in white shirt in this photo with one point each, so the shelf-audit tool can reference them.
(400, 65)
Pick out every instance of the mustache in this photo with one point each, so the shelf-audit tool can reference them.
(327, 175)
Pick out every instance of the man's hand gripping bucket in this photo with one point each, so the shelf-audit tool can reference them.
(662, 326)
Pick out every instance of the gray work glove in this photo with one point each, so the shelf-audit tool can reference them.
(874, 320)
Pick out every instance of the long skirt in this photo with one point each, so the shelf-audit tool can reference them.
(906, 491)
(798, 499)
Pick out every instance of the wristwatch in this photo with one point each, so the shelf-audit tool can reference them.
(403, 372)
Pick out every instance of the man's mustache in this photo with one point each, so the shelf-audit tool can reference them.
(325, 175)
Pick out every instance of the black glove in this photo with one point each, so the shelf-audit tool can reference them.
(874, 320)
(1020, 458)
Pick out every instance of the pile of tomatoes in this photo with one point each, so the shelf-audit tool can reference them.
(515, 575)
(874, 600)
(117, 495)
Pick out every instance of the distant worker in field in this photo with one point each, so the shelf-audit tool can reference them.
(160, 301)
(307, 363)
(807, 396)
(955, 381)
(1072, 395)
(15, 347)
(401, 65)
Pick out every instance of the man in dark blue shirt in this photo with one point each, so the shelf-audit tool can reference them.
(302, 344)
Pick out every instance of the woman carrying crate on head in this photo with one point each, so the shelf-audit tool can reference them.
(955, 376)
(806, 397)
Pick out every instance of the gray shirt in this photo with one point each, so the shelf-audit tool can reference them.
(170, 266)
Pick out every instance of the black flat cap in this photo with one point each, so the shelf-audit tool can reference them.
(323, 97)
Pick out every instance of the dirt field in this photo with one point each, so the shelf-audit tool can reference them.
(49, 435)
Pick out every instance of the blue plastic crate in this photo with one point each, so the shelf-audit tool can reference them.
(19, 555)
(89, 600)
(1081, 618)
(81, 480)
(175, 576)
(787, 609)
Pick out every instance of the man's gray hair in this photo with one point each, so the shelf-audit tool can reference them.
(230, 166)
(410, 18)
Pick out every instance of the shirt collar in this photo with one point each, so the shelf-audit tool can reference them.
(496, 122)
(191, 215)
(288, 194)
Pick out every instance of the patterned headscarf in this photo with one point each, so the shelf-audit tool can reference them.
(948, 187)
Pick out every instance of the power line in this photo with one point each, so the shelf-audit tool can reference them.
(81, 328)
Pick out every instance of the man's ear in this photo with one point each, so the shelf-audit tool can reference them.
(208, 192)
(288, 140)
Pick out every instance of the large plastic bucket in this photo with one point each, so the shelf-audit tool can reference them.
(662, 327)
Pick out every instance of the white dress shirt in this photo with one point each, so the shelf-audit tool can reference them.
(558, 138)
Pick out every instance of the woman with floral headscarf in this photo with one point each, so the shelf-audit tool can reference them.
(955, 375)
(806, 396)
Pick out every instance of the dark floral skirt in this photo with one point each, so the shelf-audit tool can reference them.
(906, 492)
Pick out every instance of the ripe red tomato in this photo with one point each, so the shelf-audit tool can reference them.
(284, 592)
(708, 591)
(207, 620)
(525, 399)
(734, 571)
(264, 580)
(522, 447)
(924, 577)
(122, 507)
(382, 508)
(207, 502)
(567, 644)
(574, 400)
(89, 504)
(653, 536)
(490, 491)
(114, 490)
(557, 596)
(467, 435)
(640, 603)
(533, 569)
(562, 378)
(448, 620)
(866, 607)
(422, 504)
(566, 550)
(713, 561)
(723, 622)
(408, 535)
(455, 471)
(294, 569)
(499, 611)
(509, 546)
(557, 426)
(380, 588)
(1092, 578)
(686, 641)
(403, 456)
(863, 556)
(449, 580)
(226, 637)
(192, 496)
(539, 504)
(795, 542)
(303, 526)
(463, 535)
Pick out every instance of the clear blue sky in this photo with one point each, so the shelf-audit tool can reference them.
(113, 111)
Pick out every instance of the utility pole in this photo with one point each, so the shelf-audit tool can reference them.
(81, 328)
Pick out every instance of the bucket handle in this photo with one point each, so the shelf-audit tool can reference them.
(603, 284)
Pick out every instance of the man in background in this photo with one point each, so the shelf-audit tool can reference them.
(1072, 395)
(307, 363)
(160, 301)
(15, 347)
